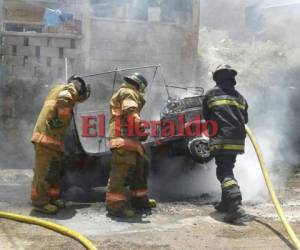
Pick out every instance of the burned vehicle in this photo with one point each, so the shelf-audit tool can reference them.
(184, 114)
(86, 169)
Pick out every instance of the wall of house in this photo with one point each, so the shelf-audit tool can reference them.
(39, 56)
(105, 43)
(125, 44)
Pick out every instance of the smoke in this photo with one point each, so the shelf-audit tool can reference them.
(267, 79)
(124, 34)
(267, 62)
(20, 102)
(178, 178)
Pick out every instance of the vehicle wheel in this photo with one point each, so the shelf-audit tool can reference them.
(199, 150)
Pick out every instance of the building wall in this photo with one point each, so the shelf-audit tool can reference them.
(105, 44)
(1, 13)
(40, 56)
(225, 15)
(133, 43)
(22, 11)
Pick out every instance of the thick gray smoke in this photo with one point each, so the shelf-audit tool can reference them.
(267, 62)
(20, 103)
(267, 78)
(21, 100)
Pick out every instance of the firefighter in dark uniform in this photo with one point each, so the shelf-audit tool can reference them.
(228, 108)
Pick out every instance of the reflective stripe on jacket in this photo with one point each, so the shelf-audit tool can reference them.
(55, 117)
(229, 109)
(46, 140)
(125, 102)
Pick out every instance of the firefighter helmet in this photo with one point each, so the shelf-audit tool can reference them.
(224, 71)
(137, 79)
(82, 88)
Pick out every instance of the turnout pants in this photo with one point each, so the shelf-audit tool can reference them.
(47, 175)
(231, 193)
(225, 164)
(127, 170)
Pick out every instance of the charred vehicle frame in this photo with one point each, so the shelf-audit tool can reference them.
(89, 170)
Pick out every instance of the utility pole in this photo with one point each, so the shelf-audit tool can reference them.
(195, 32)
(1, 15)
(1, 41)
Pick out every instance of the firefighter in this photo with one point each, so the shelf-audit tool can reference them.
(128, 157)
(48, 139)
(229, 109)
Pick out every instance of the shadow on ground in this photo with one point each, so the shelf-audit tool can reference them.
(282, 237)
(63, 214)
(219, 216)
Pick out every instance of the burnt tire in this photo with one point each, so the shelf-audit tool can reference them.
(199, 150)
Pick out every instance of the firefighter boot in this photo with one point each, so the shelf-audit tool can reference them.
(222, 206)
(46, 209)
(235, 212)
(126, 213)
(233, 199)
(143, 203)
(119, 209)
(60, 203)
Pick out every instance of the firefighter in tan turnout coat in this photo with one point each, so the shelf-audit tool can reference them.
(127, 166)
(48, 139)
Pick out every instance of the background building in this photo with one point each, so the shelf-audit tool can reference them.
(94, 36)
(102, 35)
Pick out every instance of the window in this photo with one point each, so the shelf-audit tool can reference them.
(38, 53)
(25, 61)
(3, 41)
(61, 52)
(36, 71)
(73, 45)
(49, 61)
(26, 41)
(14, 50)
(49, 42)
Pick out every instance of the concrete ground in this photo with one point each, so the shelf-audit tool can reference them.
(186, 224)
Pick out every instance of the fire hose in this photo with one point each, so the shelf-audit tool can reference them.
(52, 226)
(88, 245)
(274, 198)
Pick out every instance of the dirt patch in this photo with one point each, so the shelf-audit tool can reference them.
(188, 224)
